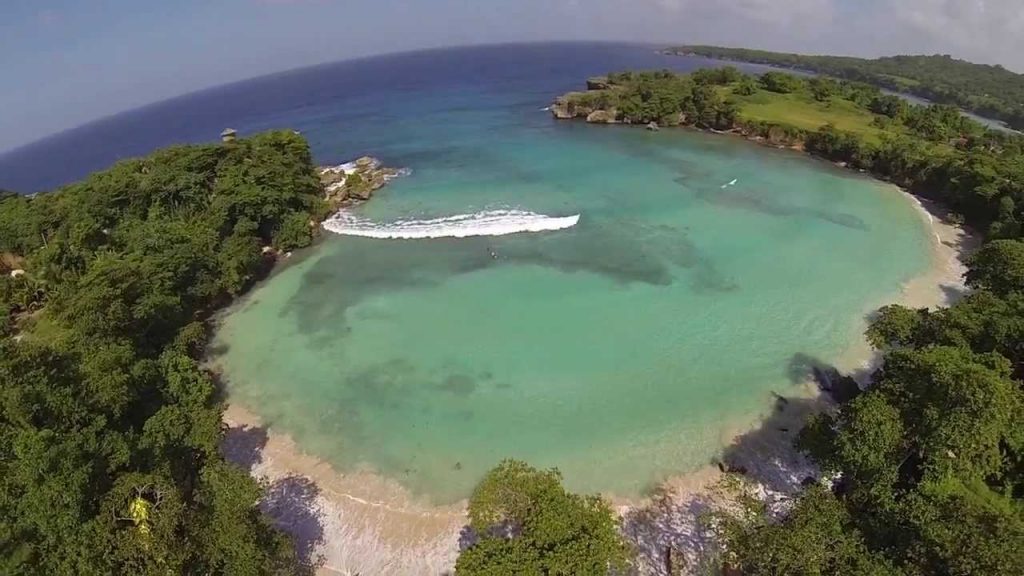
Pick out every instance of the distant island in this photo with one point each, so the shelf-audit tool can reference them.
(987, 90)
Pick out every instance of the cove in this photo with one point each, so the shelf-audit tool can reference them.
(621, 349)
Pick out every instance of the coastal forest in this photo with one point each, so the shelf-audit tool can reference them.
(110, 425)
(988, 90)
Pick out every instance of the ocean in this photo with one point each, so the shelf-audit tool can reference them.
(609, 301)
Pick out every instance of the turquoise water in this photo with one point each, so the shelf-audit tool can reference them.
(620, 350)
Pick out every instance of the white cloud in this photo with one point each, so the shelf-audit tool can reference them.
(979, 30)
(989, 30)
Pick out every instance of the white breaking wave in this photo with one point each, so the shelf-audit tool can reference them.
(486, 223)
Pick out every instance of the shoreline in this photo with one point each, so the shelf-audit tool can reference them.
(346, 523)
(362, 522)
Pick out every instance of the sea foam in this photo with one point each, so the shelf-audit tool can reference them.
(485, 223)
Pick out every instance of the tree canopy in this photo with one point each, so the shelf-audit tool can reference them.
(928, 463)
(109, 427)
(527, 523)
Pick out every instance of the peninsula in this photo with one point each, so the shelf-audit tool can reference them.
(987, 90)
(932, 151)
(110, 427)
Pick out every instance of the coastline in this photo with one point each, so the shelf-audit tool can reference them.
(354, 523)
(670, 518)
(362, 522)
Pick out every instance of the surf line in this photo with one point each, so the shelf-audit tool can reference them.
(484, 223)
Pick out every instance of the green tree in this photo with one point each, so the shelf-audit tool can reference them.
(822, 88)
(817, 537)
(998, 266)
(109, 427)
(527, 523)
(780, 82)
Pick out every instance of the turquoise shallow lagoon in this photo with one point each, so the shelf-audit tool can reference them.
(621, 350)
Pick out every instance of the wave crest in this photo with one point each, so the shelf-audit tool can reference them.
(485, 223)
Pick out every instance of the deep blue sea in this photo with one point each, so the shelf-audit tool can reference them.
(344, 109)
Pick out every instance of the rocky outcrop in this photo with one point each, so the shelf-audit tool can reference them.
(560, 110)
(603, 117)
(598, 83)
(571, 106)
(355, 181)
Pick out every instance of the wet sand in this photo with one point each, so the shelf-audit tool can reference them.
(362, 523)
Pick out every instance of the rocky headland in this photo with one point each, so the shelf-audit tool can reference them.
(354, 182)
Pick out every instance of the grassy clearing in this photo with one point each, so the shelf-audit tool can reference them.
(801, 111)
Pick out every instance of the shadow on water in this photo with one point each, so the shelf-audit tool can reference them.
(669, 537)
(668, 532)
(290, 502)
(763, 203)
(766, 454)
(243, 446)
(952, 294)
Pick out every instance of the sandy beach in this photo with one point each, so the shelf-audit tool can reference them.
(362, 523)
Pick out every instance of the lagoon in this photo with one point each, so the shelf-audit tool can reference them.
(622, 349)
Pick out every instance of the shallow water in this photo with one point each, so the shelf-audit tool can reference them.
(621, 349)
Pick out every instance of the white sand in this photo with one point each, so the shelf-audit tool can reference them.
(361, 523)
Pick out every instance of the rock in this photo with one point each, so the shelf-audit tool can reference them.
(841, 388)
(329, 177)
(726, 468)
(653, 127)
(268, 250)
(361, 193)
(598, 83)
(560, 110)
(601, 117)
(355, 181)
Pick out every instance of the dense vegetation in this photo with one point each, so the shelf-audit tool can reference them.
(526, 523)
(928, 463)
(109, 427)
(991, 91)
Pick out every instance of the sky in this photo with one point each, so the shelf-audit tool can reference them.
(66, 62)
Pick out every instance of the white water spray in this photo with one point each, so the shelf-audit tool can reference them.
(485, 223)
